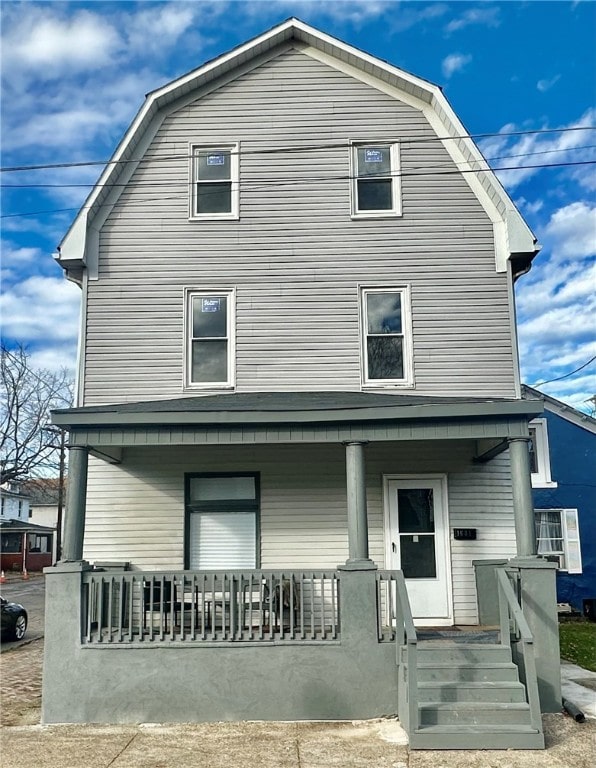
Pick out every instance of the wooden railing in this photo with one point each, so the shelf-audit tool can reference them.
(225, 606)
(513, 626)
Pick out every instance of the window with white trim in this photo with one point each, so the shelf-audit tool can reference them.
(210, 338)
(222, 521)
(539, 455)
(214, 182)
(376, 188)
(557, 534)
(386, 337)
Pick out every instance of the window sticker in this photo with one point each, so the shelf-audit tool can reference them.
(373, 156)
(210, 305)
(216, 159)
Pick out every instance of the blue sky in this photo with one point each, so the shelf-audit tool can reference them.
(75, 73)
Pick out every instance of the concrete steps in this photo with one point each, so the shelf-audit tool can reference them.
(470, 697)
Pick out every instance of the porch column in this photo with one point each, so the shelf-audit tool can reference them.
(76, 500)
(357, 515)
(523, 507)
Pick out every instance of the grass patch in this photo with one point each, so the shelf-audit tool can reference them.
(578, 643)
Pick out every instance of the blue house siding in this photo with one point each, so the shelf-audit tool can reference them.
(573, 468)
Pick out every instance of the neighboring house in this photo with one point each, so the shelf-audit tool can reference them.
(563, 463)
(298, 349)
(14, 502)
(25, 547)
(45, 503)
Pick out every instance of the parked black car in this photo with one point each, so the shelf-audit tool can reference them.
(14, 620)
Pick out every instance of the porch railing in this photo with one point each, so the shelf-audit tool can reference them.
(395, 624)
(514, 627)
(123, 607)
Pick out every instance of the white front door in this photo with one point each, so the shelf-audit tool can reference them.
(417, 543)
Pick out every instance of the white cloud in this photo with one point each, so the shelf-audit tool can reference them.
(455, 62)
(54, 357)
(529, 152)
(486, 16)
(572, 231)
(159, 28)
(545, 85)
(17, 257)
(44, 42)
(41, 308)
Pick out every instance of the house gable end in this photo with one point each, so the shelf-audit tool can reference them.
(511, 233)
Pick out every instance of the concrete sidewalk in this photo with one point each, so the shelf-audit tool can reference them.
(369, 744)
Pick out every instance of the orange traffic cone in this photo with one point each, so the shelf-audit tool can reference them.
(2, 578)
(25, 574)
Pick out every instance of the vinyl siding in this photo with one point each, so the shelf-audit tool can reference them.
(294, 256)
(135, 511)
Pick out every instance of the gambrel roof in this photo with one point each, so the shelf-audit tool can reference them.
(513, 238)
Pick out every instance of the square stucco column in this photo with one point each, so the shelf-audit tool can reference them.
(538, 598)
(523, 507)
(358, 558)
(76, 501)
(62, 646)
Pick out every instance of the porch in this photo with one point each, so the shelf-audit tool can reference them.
(309, 639)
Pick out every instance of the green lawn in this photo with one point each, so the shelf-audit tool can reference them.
(578, 643)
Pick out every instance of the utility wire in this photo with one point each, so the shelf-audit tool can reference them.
(305, 148)
(381, 175)
(567, 375)
(307, 179)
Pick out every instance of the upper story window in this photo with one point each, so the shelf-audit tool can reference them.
(214, 180)
(386, 337)
(539, 455)
(376, 187)
(210, 339)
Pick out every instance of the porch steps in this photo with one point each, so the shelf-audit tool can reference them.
(470, 697)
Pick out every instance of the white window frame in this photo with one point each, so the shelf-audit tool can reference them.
(570, 558)
(189, 295)
(234, 213)
(406, 334)
(396, 207)
(542, 477)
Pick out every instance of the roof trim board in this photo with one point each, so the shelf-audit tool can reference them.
(512, 234)
(561, 409)
(189, 412)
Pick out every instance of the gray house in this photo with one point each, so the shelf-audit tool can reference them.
(298, 350)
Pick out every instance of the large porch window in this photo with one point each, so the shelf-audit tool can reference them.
(222, 521)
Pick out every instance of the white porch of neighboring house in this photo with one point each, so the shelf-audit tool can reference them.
(387, 486)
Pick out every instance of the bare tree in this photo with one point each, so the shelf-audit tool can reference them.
(27, 448)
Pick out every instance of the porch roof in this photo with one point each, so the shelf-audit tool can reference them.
(21, 526)
(292, 408)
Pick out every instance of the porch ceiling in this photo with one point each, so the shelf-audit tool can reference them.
(296, 417)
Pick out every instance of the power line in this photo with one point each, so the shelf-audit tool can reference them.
(112, 185)
(305, 148)
(306, 179)
(567, 375)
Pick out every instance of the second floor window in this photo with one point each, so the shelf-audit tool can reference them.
(214, 182)
(376, 187)
(540, 455)
(386, 337)
(210, 338)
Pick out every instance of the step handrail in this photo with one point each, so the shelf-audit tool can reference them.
(405, 627)
(509, 608)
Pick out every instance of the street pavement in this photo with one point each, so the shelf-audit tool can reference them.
(24, 743)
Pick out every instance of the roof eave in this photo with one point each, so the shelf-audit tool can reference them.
(77, 418)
